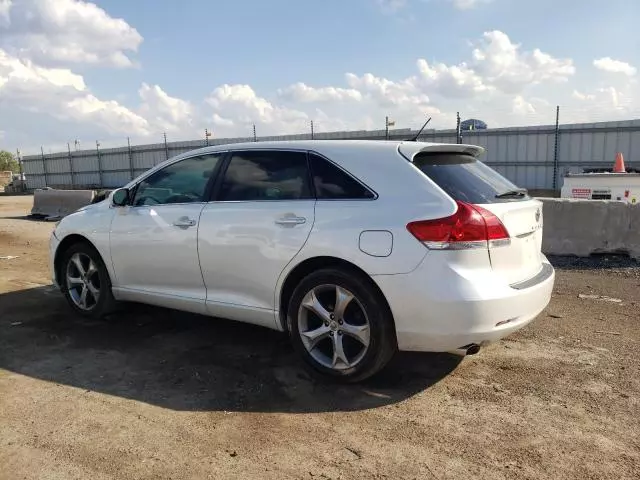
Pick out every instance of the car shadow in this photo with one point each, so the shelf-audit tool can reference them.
(30, 218)
(188, 362)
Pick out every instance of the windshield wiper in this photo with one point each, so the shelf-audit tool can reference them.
(520, 192)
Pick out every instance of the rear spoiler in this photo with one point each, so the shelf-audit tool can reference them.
(410, 149)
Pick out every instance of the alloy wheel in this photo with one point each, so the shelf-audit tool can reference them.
(334, 327)
(83, 281)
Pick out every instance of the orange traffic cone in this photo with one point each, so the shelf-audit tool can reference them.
(618, 167)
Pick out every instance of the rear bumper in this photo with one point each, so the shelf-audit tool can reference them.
(441, 307)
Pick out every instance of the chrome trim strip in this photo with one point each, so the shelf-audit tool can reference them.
(541, 276)
(527, 234)
(456, 245)
(503, 242)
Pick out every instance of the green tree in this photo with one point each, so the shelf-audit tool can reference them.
(8, 162)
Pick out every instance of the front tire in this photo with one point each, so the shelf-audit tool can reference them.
(341, 325)
(85, 281)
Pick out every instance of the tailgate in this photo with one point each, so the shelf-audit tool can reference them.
(522, 258)
(464, 178)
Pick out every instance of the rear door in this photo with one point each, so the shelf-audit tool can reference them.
(465, 178)
(259, 219)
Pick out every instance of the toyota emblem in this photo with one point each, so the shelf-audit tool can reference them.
(538, 215)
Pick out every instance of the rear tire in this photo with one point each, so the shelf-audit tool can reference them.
(341, 325)
(85, 283)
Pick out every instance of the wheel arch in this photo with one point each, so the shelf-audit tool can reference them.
(309, 265)
(64, 245)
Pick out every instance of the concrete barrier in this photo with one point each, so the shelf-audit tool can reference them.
(571, 227)
(584, 227)
(58, 203)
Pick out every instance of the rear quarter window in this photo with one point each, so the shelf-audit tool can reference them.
(331, 183)
(465, 178)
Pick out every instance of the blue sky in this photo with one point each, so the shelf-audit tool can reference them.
(272, 43)
(109, 69)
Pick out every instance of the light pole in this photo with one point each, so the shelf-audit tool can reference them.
(387, 123)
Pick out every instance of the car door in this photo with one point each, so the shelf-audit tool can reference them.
(260, 217)
(153, 240)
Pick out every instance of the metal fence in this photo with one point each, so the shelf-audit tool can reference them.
(532, 157)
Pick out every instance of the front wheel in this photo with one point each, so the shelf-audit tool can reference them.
(85, 281)
(341, 325)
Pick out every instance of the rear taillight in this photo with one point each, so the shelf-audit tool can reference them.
(470, 227)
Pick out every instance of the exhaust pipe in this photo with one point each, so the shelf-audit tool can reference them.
(470, 349)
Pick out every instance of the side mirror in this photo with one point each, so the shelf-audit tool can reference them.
(120, 197)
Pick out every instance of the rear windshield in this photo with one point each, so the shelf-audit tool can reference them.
(465, 178)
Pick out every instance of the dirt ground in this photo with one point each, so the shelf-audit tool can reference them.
(156, 394)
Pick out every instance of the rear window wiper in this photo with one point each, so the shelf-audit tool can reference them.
(520, 192)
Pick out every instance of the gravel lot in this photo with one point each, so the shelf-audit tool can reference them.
(158, 394)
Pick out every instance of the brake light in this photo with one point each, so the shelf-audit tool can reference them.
(470, 227)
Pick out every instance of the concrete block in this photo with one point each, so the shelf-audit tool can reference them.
(59, 203)
(585, 227)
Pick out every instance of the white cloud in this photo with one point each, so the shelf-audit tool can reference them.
(451, 81)
(498, 67)
(66, 32)
(500, 82)
(218, 121)
(607, 103)
(468, 4)
(164, 112)
(61, 94)
(110, 115)
(502, 64)
(582, 96)
(363, 105)
(239, 107)
(392, 6)
(608, 64)
(25, 74)
(613, 95)
(300, 92)
(522, 107)
(388, 93)
(608, 99)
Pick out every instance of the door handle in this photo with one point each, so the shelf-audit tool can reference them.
(290, 220)
(184, 222)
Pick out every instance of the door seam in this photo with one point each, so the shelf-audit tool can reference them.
(276, 299)
(206, 291)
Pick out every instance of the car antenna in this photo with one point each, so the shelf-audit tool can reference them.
(415, 137)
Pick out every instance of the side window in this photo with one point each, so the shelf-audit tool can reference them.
(181, 182)
(266, 175)
(332, 183)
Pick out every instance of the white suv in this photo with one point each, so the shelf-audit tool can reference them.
(355, 248)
